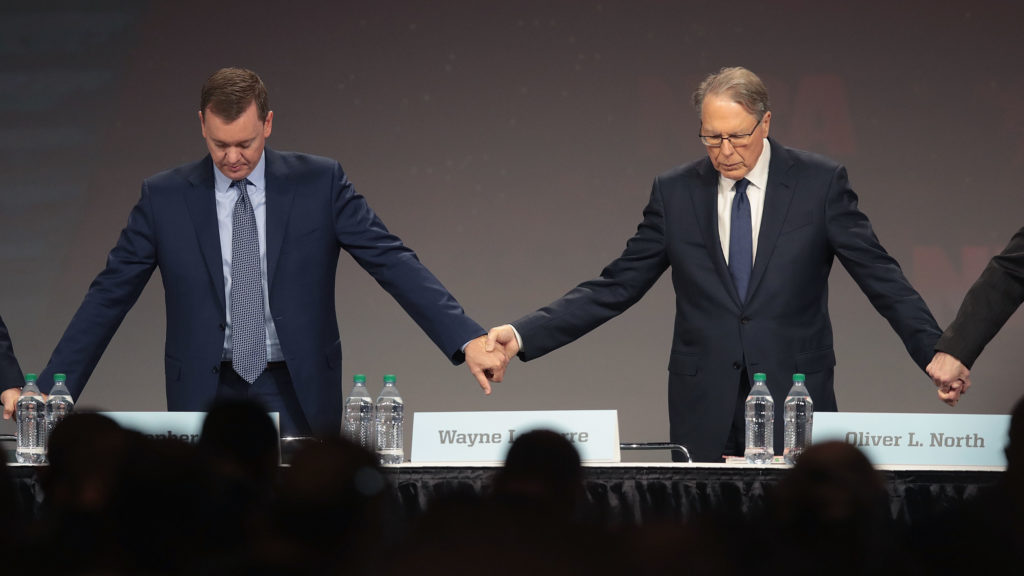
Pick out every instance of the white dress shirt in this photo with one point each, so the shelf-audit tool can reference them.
(758, 177)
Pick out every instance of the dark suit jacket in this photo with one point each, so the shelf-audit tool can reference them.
(988, 304)
(312, 212)
(10, 372)
(810, 217)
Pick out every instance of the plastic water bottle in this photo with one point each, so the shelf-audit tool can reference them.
(799, 415)
(31, 415)
(59, 404)
(760, 423)
(357, 421)
(390, 411)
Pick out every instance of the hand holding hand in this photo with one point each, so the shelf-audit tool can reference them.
(504, 336)
(486, 365)
(950, 376)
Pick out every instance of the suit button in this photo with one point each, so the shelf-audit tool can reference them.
(736, 365)
(222, 326)
(216, 370)
(744, 320)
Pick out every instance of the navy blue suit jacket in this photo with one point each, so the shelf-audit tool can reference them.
(10, 372)
(810, 218)
(312, 212)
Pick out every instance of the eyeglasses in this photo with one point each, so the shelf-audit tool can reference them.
(737, 140)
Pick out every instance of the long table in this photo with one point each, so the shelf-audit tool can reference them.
(641, 493)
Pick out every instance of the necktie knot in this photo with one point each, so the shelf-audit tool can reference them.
(741, 186)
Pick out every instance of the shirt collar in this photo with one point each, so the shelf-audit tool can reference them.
(258, 177)
(758, 175)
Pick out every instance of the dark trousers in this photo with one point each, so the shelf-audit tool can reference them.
(273, 389)
(737, 441)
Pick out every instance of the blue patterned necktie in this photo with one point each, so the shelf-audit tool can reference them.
(741, 240)
(248, 328)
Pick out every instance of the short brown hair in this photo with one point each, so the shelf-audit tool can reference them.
(739, 84)
(229, 92)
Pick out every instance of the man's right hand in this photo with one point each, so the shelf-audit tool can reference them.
(9, 398)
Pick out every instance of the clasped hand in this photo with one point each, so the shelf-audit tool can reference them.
(950, 376)
(488, 356)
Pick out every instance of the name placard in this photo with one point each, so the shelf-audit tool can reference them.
(485, 437)
(919, 439)
(185, 426)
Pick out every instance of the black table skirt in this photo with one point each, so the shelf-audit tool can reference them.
(647, 494)
(641, 494)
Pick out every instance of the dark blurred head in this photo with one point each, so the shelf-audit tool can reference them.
(159, 507)
(832, 490)
(9, 512)
(1015, 446)
(239, 438)
(335, 504)
(86, 452)
(542, 473)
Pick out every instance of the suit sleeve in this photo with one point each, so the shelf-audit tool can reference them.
(111, 295)
(399, 271)
(990, 302)
(590, 304)
(10, 371)
(876, 272)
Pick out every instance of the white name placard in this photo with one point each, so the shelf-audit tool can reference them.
(485, 437)
(185, 426)
(919, 439)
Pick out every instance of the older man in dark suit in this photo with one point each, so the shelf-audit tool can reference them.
(750, 234)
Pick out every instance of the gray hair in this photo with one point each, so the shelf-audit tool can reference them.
(740, 85)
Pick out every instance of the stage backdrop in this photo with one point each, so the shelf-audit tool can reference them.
(513, 145)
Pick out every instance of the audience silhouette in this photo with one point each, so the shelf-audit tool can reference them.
(119, 502)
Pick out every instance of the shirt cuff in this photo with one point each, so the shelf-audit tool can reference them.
(519, 339)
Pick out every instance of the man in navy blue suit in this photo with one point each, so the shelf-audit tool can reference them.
(750, 234)
(10, 372)
(247, 240)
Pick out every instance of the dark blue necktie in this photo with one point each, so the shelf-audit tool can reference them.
(248, 327)
(741, 240)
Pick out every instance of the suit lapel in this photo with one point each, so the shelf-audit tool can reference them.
(777, 199)
(279, 205)
(705, 205)
(202, 208)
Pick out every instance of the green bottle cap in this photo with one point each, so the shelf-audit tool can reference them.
(359, 378)
(760, 377)
(389, 378)
(799, 378)
(30, 377)
(60, 378)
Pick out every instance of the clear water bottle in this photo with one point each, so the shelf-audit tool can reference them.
(59, 404)
(389, 415)
(799, 415)
(31, 415)
(760, 423)
(357, 420)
